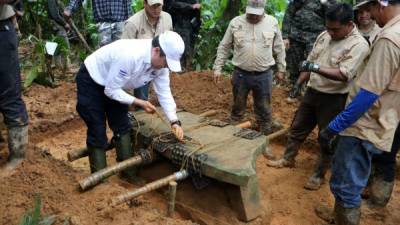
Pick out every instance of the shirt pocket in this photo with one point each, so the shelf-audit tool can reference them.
(238, 38)
(268, 39)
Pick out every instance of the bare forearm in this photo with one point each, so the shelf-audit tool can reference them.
(332, 74)
(303, 78)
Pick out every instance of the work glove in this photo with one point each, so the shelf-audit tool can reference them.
(295, 91)
(327, 139)
(308, 66)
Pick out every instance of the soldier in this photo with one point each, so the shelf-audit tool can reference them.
(11, 104)
(109, 16)
(147, 23)
(365, 24)
(186, 19)
(303, 22)
(367, 125)
(330, 68)
(256, 40)
(103, 79)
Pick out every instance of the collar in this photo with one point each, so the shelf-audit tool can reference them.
(392, 22)
(148, 21)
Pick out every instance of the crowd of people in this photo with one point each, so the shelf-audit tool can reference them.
(342, 60)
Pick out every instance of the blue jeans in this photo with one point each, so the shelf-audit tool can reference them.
(351, 168)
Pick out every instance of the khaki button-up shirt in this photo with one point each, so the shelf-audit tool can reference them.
(256, 47)
(6, 11)
(346, 54)
(371, 33)
(139, 27)
(382, 77)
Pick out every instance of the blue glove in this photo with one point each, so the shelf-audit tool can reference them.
(360, 104)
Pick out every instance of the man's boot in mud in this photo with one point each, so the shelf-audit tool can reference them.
(318, 177)
(346, 216)
(380, 192)
(123, 145)
(288, 159)
(97, 159)
(17, 144)
(326, 213)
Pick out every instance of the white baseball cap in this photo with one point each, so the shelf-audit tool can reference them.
(173, 46)
(255, 7)
(153, 2)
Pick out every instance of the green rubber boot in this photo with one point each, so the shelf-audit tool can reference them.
(123, 145)
(97, 159)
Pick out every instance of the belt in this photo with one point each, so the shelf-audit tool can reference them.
(6, 24)
(250, 73)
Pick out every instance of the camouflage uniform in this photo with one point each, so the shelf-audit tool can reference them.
(186, 21)
(304, 20)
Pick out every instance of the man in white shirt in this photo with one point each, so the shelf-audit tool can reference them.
(102, 82)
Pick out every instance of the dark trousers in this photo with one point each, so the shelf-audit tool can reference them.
(316, 108)
(11, 104)
(261, 87)
(385, 164)
(297, 52)
(95, 108)
(351, 168)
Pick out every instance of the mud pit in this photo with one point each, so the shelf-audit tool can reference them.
(55, 129)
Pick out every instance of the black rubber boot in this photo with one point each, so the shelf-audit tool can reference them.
(347, 216)
(288, 159)
(97, 159)
(380, 192)
(17, 144)
(318, 177)
(124, 148)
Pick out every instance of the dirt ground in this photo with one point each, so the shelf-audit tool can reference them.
(55, 129)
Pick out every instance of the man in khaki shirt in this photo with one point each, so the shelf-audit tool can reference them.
(367, 125)
(12, 107)
(331, 67)
(257, 46)
(146, 24)
(365, 23)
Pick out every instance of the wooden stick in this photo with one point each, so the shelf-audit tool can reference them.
(149, 187)
(246, 124)
(278, 133)
(100, 175)
(171, 200)
(209, 113)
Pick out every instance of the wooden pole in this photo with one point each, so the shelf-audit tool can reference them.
(246, 124)
(171, 199)
(209, 113)
(278, 133)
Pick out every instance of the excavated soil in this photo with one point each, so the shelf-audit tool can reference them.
(56, 129)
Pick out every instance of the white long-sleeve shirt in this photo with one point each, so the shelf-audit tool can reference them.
(126, 64)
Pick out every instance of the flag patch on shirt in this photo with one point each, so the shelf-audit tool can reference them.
(123, 73)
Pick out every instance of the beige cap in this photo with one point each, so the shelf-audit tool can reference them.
(255, 7)
(153, 2)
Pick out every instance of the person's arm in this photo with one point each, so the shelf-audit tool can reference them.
(279, 51)
(360, 104)
(161, 85)
(72, 7)
(223, 52)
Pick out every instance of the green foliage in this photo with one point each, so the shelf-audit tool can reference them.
(34, 217)
(137, 5)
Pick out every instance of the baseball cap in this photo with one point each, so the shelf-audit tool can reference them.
(360, 3)
(153, 2)
(255, 7)
(173, 46)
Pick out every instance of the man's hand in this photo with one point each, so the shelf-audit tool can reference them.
(308, 66)
(217, 77)
(196, 6)
(67, 14)
(146, 105)
(326, 138)
(286, 42)
(178, 131)
(295, 91)
(280, 76)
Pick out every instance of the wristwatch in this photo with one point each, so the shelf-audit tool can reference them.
(315, 67)
(176, 122)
